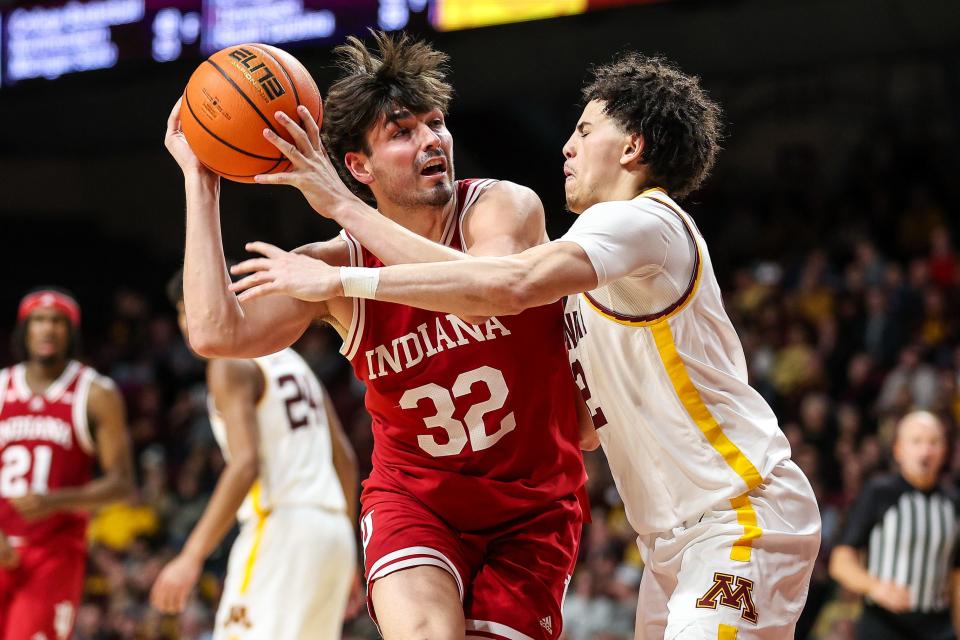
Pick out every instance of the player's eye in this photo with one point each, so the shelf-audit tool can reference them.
(401, 132)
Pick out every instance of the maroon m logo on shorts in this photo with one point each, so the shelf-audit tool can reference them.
(733, 592)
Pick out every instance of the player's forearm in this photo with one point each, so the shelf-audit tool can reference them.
(389, 241)
(846, 569)
(476, 287)
(213, 312)
(218, 516)
(111, 487)
(487, 286)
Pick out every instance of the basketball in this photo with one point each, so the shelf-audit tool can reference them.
(232, 96)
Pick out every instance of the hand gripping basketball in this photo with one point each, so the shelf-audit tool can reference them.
(311, 170)
(232, 96)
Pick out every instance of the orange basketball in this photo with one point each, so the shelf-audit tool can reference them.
(233, 96)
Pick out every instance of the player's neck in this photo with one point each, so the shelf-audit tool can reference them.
(41, 375)
(630, 184)
(426, 220)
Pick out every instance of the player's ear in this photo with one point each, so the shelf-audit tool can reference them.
(359, 166)
(632, 150)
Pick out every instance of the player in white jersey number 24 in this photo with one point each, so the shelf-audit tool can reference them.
(291, 480)
(728, 525)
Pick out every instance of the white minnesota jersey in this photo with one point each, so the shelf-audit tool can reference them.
(296, 457)
(663, 369)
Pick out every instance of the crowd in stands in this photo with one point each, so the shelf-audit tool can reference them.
(846, 303)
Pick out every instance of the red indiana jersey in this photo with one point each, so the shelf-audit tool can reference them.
(45, 444)
(477, 421)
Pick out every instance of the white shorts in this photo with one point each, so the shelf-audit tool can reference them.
(289, 577)
(741, 571)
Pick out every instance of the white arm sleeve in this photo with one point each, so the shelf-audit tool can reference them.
(640, 238)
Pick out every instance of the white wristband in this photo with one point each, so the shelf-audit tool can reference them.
(359, 282)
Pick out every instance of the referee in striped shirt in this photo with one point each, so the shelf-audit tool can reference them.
(906, 524)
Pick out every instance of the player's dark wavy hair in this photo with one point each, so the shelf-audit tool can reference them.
(681, 126)
(404, 72)
(18, 339)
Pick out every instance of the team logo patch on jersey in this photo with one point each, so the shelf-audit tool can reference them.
(238, 615)
(733, 592)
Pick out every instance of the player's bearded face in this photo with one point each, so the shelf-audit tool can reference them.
(592, 167)
(412, 160)
(48, 335)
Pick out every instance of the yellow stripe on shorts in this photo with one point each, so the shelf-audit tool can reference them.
(257, 535)
(726, 632)
(747, 518)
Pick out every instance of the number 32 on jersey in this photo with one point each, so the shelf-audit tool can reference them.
(472, 427)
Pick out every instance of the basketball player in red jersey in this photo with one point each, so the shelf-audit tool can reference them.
(469, 521)
(57, 417)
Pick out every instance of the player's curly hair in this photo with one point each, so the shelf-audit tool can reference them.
(681, 126)
(404, 73)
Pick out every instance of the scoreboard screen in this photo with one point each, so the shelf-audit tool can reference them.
(50, 39)
(53, 38)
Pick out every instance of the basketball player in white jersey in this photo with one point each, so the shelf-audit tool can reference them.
(728, 525)
(291, 480)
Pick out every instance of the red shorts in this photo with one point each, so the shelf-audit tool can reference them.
(511, 579)
(39, 597)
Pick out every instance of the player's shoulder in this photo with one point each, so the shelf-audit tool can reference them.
(502, 199)
(642, 212)
(334, 251)
(104, 397)
(504, 189)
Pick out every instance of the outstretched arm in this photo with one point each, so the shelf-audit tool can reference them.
(609, 241)
(473, 287)
(491, 286)
(235, 386)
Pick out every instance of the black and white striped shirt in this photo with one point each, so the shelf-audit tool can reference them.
(910, 537)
